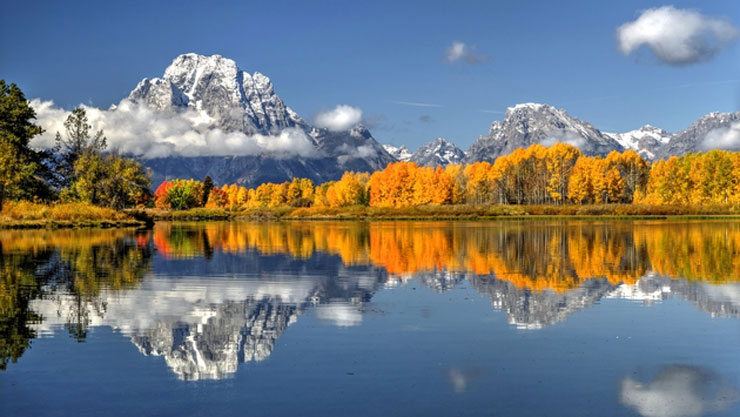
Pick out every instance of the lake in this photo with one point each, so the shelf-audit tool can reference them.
(504, 318)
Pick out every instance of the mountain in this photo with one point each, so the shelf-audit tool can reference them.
(697, 136)
(222, 96)
(530, 123)
(646, 141)
(437, 152)
(400, 153)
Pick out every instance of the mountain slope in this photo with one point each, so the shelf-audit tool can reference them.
(223, 97)
(700, 136)
(530, 123)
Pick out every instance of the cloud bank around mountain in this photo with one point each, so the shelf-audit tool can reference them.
(136, 129)
(725, 138)
(340, 118)
(676, 36)
(462, 52)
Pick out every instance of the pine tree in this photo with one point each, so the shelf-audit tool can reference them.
(77, 143)
(21, 168)
(207, 187)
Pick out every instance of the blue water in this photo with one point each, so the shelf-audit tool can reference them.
(275, 335)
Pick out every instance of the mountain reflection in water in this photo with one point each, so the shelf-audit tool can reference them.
(208, 296)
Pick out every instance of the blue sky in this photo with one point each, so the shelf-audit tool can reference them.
(376, 55)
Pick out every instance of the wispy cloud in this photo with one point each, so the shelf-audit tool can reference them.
(415, 104)
(462, 52)
(676, 36)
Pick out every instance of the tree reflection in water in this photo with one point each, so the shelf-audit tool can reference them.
(47, 264)
(255, 279)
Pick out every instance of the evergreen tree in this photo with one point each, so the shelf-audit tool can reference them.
(21, 168)
(77, 143)
(207, 186)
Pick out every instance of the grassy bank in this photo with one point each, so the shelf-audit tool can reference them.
(458, 212)
(195, 214)
(24, 214)
(465, 212)
(32, 215)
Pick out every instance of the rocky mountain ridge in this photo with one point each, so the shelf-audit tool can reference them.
(530, 123)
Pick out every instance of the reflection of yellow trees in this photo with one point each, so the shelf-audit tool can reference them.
(82, 262)
(708, 251)
(17, 287)
(96, 258)
(534, 255)
(39, 240)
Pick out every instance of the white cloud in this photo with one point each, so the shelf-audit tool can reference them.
(726, 138)
(339, 118)
(136, 129)
(569, 137)
(679, 391)
(340, 314)
(676, 36)
(461, 51)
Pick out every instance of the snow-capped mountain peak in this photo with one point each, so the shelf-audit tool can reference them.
(214, 85)
(439, 151)
(400, 153)
(529, 123)
(646, 141)
(227, 98)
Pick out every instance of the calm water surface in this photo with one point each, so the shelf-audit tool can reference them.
(373, 319)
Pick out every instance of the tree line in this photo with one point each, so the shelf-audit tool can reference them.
(559, 174)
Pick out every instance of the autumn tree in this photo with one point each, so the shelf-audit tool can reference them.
(111, 181)
(560, 159)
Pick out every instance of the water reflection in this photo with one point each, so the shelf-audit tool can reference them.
(680, 391)
(78, 264)
(208, 296)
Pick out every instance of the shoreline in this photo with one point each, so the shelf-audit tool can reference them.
(148, 217)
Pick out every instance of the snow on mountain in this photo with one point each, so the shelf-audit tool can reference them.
(401, 153)
(232, 100)
(437, 152)
(529, 123)
(646, 141)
